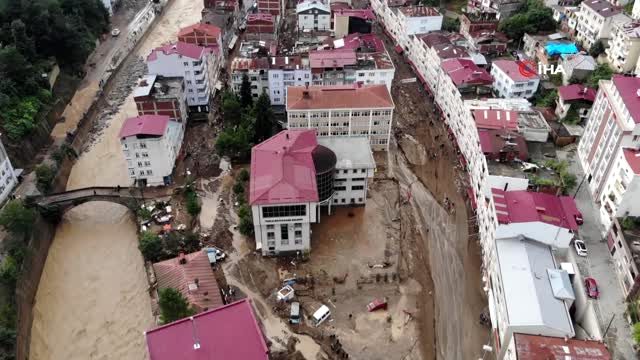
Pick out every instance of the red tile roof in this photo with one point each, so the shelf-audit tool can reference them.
(495, 141)
(228, 332)
(512, 69)
(603, 8)
(524, 206)
(537, 347)
(628, 87)
(435, 38)
(419, 11)
(450, 51)
(339, 6)
(576, 92)
(332, 58)
(154, 125)
(208, 29)
(466, 72)
(282, 169)
(264, 17)
(338, 97)
(285, 62)
(496, 119)
(633, 159)
(359, 42)
(365, 14)
(182, 48)
(249, 63)
(171, 274)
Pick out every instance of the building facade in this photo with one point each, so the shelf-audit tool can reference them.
(348, 110)
(256, 69)
(625, 254)
(313, 15)
(197, 65)
(205, 35)
(8, 177)
(345, 66)
(156, 95)
(624, 47)
(608, 150)
(151, 144)
(285, 71)
(595, 20)
(510, 82)
(261, 23)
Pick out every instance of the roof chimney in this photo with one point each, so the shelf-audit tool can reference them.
(143, 82)
(286, 135)
(182, 259)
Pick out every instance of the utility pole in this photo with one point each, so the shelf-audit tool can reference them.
(579, 186)
(608, 326)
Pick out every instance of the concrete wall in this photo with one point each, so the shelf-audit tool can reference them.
(586, 315)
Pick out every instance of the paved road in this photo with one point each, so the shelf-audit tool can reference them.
(600, 266)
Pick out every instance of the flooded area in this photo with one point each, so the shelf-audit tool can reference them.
(93, 302)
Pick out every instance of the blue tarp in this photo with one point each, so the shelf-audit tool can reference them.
(560, 48)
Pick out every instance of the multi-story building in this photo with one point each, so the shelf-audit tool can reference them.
(8, 177)
(197, 65)
(224, 14)
(347, 110)
(157, 95)
(511, 82)
(313, 15)
(202, 35)
(527, 347)
(608, 150)
(595, 20)
(577, 67)
(261, 23)
(625, 251)
(355, 168)
(578, 97)
(151, 144)
(503, 8)
(285, 71)
(624, 47)
(343, 66)
(481, 31)
(256, 69)
(528, 293)
(273, 7)
(635, 12)
(350, 21)
(284, 204)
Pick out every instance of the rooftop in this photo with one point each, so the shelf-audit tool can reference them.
(633, 159)
(336, 58)
(241, 64)
(216, 332)
(496, 119)
(339, 97)
(181, 48)
(631, 29)
(527, 286)
(145, 125)
(466, 72)
(282, 169)
(374, 61)
(365, 14)
(450, 51)
(496, 141)
(628, 88)
(435, 38)
(419, 11)
(263, 17)
(285, 62)
(193, 277)
(352, 152)
(576, 92)
(537, 347)
(359, 42)
(525, 206)
(208, 29)
(305, 5)
(578, 61)
(602, 7)
(158, 86)
(513, 69)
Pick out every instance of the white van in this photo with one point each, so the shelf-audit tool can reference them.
(321, 315)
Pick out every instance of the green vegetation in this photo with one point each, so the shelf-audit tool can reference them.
(572, 116)
(246, 221)
(173, 306)
(193, 205)
(17, 218)
(630, 223)
(534, 17)
(545, 98)
(150, 246)
(636, 332)
(243, 175)
(44, 178)
(567, 180)
(450, 24)
(264, 118)
(245, 225)
(432, 3)
(628, 8)
(35, 35)
(596, 49)
(246, 98)
(602, 72)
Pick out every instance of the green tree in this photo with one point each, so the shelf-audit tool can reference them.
(238, 188)
(231, 108)
(596, 49)
(546, 98)
(602, 72)
(193, 205)
(173, 306)
(245, 225)
(19, 118)
(44, 178)
(150, 246)
(264, 123)
(243, 175)
(534, 17)
(432, 3)
(451, 24)
(17, 218)
(246, 98)
(628, 8)
(235, 142)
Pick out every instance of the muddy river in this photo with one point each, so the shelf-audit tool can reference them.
(92, 302)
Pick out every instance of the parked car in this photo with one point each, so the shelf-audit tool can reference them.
(294, 316)
(215, 254)
(115, 32)
(581, 248)
(592, 287)
(579, 219)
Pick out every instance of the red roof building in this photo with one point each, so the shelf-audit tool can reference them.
(145, 125)
(513, 70)
(191, 274)
(181, 48)
(633, 159)
(502, 145)
(576, 92)
(270, 7)
(536, 347)
(369, 43)
(525, 206)
(496, 119)
(201, 34)
(282, 169)
(157, 95)
(260, 23)
(627, 87)
(332, 59)
(364, 14)
(339, 97)
(464, 72)
(228, 332)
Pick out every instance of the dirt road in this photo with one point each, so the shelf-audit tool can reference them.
(92, 302)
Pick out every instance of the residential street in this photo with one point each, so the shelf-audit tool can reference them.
(599, 265)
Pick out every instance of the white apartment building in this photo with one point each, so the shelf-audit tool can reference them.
(595, 20)
(313, 15)
(197, 65)
(355, 168)
(402, 22)
(8, 177)
(624, 47)
(256, 69)
(285, 71)
(635, 13)
(151, 144)
(345, 66)
(344, 110)
(509, 82)
(608, 150)
(528, 294)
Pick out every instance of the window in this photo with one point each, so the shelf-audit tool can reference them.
(149, 172)
(271, 235)
(270, 227)
(339, 188)
(190, 90)
(357, 187)
(363, 171)
(279, 211)
(355, 171)
(145, 155)
(139, 163)
(147, 163)
(137, 155)
(132, 172)
(186, 63)
(357, 179)
(359, 199)
(143, 146)
(298, 225)
(188, 82)
(141, 172)
(284, 234)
